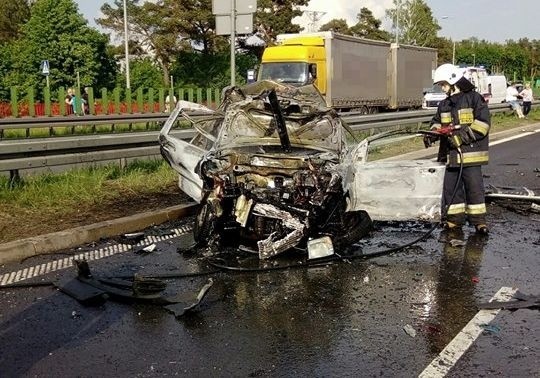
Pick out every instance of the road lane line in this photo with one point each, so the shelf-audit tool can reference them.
(527, 133)
(64, 263)
(442, 364)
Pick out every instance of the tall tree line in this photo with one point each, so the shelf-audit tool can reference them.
(176, 38)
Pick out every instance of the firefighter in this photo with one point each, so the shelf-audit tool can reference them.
(462, 124)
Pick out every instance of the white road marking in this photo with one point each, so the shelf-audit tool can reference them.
(442, 364)
(67, 262)
(526, 133)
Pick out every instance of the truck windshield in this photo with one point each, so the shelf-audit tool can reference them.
(292, 73)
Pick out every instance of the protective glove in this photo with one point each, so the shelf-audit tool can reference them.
(462, 135)
(429, 139)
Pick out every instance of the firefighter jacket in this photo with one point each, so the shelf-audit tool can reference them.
(468, 113)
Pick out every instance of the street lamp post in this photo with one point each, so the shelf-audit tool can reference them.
(398, 5)
(128, 86)
(453, 43)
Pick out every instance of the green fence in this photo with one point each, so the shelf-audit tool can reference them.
(117, 101)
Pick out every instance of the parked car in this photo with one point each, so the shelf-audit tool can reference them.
(275, 167)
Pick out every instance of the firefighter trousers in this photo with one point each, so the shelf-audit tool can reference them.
(468, 202)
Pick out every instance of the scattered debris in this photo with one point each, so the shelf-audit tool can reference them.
(409, 330)
(132, 238)
(490, 329)
(148, 249)
(522, 301)
(180, 309)
(92, 291)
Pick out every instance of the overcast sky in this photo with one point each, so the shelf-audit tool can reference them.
(492, 20)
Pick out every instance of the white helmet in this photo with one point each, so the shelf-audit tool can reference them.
(447, 72)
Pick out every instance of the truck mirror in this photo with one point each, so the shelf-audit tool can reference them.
(251, 76)
(313, 71)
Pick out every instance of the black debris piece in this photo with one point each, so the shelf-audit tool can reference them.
(180, 309)
(522, 301)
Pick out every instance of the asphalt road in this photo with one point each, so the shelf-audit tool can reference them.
(385, 316)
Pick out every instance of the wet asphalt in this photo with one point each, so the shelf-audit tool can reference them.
(351, 317)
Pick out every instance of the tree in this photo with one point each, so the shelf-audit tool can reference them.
(13, 14)
(148, 26)
(145, 74)
(336, 25)
(414, 22)
(274, 17)
(369, 27)
(56, 32)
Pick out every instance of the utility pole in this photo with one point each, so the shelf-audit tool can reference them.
(397, 21)
(126, 37)
(233, 43)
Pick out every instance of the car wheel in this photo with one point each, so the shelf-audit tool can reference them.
(204, 224)
(355, 225)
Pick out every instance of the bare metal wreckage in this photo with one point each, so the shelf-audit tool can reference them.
(273, 165)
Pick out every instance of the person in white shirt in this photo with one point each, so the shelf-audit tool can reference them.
(527, 96)
(168, 103)
(512, 98)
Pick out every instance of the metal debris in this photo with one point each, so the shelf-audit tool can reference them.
(180, 309)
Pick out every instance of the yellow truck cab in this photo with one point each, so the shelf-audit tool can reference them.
(297, 61)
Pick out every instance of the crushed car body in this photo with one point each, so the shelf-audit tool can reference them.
(275, 166)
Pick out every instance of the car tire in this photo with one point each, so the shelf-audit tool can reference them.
(204, 224)
(355, 225)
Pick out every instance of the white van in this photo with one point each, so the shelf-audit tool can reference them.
(496, 88)
(478, 76)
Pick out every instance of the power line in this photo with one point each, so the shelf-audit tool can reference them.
(314, 18)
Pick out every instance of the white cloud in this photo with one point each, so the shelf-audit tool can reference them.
(346, 9)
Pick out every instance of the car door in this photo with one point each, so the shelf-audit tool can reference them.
(394, 190)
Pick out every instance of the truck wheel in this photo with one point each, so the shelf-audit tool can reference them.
(364, 110)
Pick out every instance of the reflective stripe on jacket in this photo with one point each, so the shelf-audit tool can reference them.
(467, 109)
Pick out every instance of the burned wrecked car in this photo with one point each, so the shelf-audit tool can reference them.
(273, 166)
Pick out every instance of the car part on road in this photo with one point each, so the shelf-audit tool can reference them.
(522, 301)
(180, 309)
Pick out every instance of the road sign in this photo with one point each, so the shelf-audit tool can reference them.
(244, 24)
(45, 67)
(242, 6)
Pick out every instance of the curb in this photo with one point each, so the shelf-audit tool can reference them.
(70, 238)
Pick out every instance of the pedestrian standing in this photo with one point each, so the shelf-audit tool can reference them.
(528, 98)
(85, 104)
(69, 99)
(465, 116)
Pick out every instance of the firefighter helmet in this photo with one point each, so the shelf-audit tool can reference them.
(447, 72)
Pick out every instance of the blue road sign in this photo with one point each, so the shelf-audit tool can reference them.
(45, 67)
